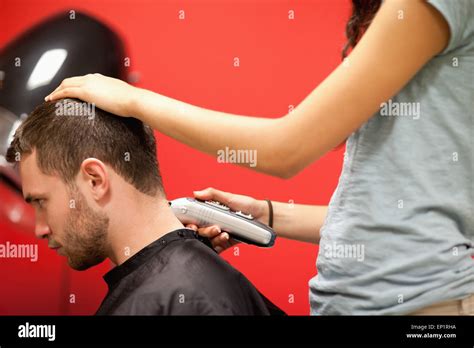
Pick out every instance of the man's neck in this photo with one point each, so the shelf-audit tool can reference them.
(137, 225)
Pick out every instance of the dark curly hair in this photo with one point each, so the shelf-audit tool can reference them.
(363, 11)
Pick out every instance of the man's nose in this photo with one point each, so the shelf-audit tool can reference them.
(41, 229)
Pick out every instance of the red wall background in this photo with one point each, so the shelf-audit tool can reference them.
(281, 61)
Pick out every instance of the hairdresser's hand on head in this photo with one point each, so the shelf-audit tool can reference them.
(107, 93)
(221, 240)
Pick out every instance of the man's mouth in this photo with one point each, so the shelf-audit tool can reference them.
(58, 250)
(54, 246)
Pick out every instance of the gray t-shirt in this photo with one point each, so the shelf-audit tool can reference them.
(399, 234)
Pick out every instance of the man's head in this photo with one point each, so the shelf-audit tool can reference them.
(74, 161)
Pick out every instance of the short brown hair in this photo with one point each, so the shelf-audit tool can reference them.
(67, 131)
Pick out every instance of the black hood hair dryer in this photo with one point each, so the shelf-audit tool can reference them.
(34, 64)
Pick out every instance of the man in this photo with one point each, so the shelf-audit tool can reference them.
(94, 182)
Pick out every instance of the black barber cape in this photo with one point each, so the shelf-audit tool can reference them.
(180, 275)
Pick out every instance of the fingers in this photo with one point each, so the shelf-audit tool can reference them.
(210, 231)
(213, 194)
(68, 92)
(192, 227)
(73, 81)
(221, 242)
(70, 82)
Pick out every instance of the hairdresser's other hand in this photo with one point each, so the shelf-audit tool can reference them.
(107, 93)
(221, 240)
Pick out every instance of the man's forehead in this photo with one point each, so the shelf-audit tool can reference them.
(29, 169)
(34, 182)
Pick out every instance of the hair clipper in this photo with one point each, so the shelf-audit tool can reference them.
(240, 226)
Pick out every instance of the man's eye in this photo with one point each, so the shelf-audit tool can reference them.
(40, 203)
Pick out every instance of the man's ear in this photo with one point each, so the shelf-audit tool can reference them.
(95, 176)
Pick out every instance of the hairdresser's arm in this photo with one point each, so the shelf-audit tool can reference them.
(387, 57)
(292, 221)
(297, 221)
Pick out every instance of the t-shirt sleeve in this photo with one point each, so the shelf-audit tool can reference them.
(459, 16)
